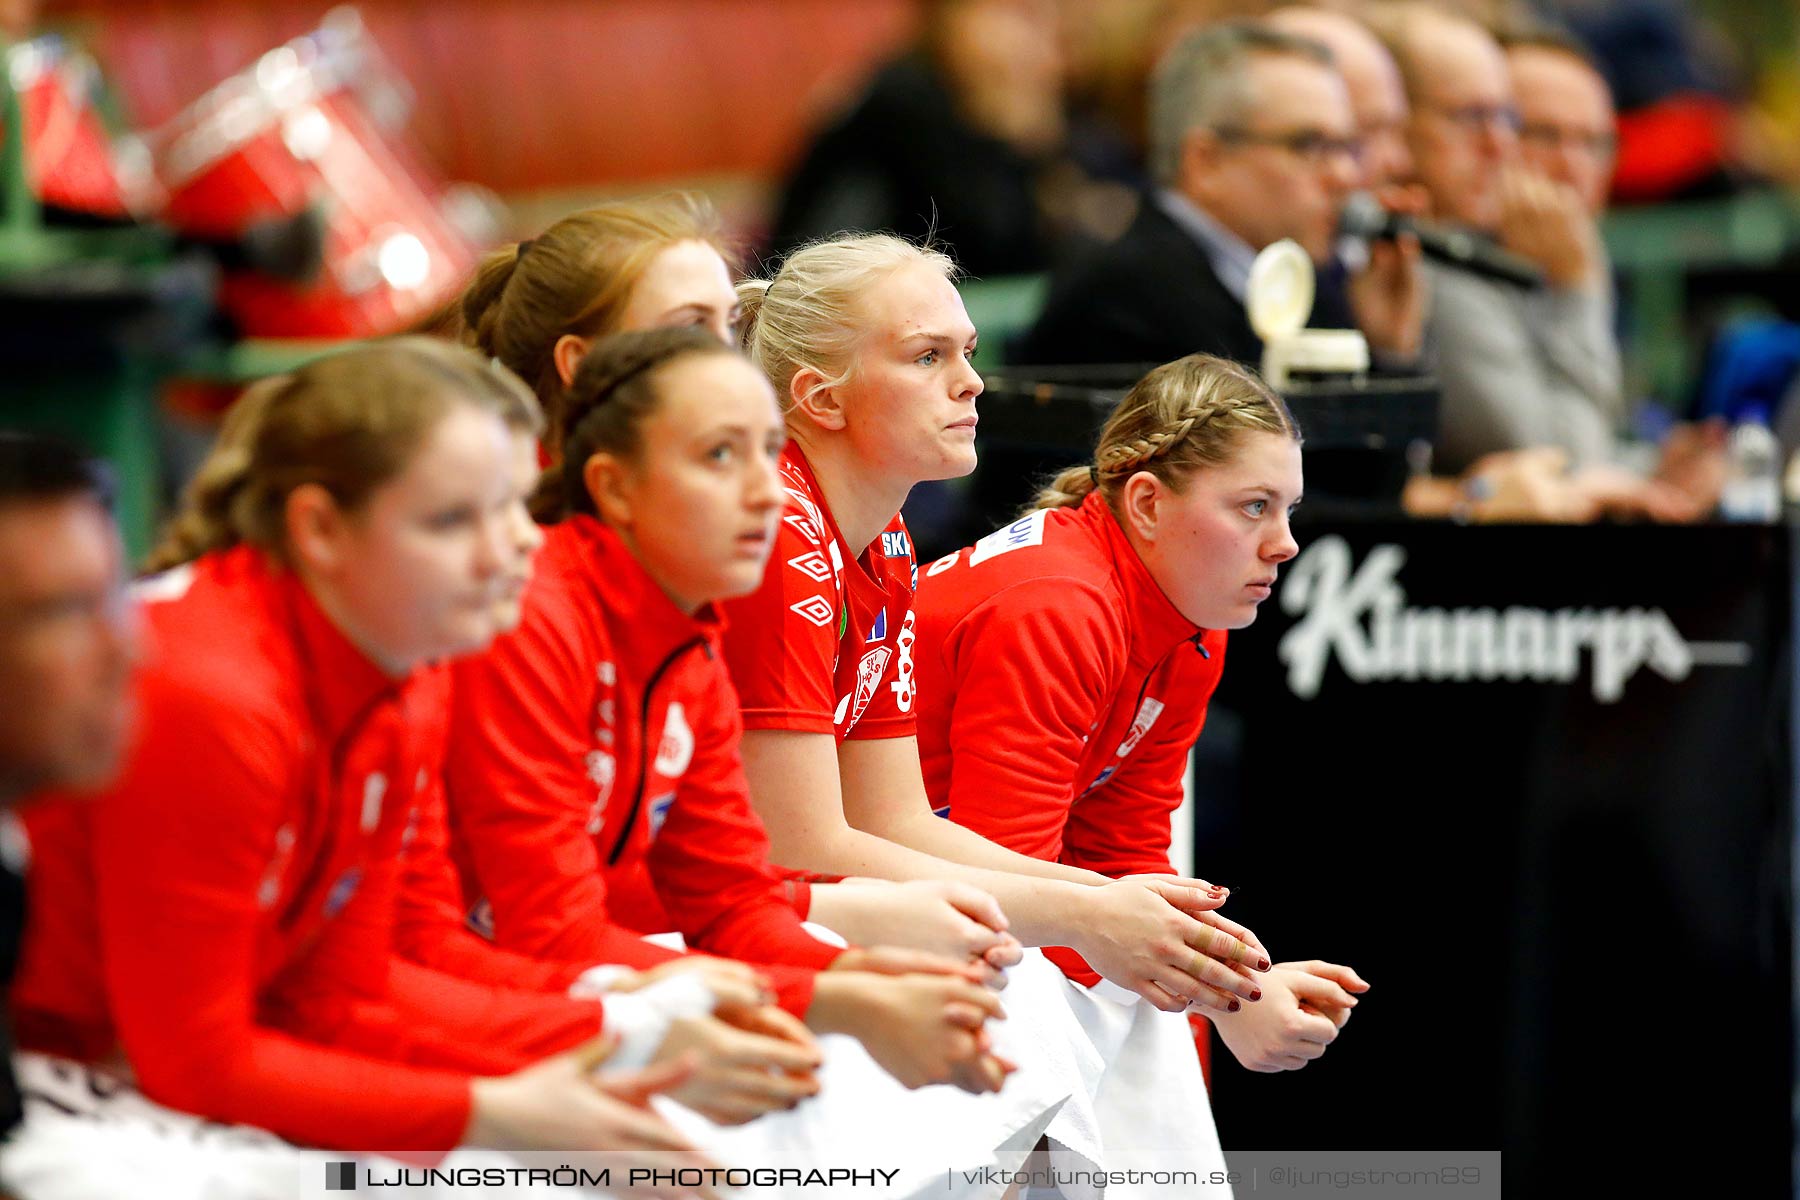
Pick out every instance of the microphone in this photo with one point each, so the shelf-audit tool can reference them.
(1363, 216)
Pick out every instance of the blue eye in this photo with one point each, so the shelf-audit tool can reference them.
(1256, 508)
(720, 453)
(928, 359)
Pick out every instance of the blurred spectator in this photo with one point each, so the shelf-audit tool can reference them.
(949, 139)
(1567, 133)
(1377, 97)
(1567, 129)
(1518, 368)
(1532, 392)
(1251, 140)
(66, 638)
(67, 642)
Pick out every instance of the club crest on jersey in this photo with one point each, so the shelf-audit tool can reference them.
(878, 633)
(676, 750)
(868, 678)
(1147, 713)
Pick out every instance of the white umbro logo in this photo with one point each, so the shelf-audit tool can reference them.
(812, 565)
(814, 609)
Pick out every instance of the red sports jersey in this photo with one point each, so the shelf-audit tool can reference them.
(1062, 691)
(430, 925)
(826, 644)
(223, 914)
(595, 784)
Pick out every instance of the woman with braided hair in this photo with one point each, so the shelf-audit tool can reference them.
(1064, 662)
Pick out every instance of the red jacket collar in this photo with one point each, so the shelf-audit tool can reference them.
(1156, 625)
(341, 681)
(649, 626)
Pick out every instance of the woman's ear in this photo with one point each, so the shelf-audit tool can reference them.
(1141, 503)
(567, 355)
(822, 405)
(314, 527)
(608, 486)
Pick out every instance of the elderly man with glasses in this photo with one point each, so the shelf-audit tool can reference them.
(1519, 368)
(1252, 139)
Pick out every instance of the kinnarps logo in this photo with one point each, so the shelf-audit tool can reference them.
(1361, 618)
(340, 1177)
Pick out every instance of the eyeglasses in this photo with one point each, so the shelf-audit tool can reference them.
(1313, 146)
(1553, 137)
(1479, 118)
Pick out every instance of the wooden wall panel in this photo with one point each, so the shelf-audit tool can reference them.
(539, 95)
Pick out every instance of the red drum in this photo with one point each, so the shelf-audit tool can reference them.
(295, 130)
(69, 154)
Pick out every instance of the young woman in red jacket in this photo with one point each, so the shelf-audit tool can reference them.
(539, 307)
(1066, 660)
(221, 918)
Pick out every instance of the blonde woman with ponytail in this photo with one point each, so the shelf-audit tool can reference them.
(1066, 662)
(867, 344)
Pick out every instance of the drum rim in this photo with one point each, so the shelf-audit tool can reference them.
(243, 106)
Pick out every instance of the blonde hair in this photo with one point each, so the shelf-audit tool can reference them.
(348, 423)
(1179, 418)
(575, 278)
(810, 313)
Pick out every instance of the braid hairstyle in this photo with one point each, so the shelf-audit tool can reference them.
(1179, 418)
(614, 390)
(810, 312)
(348, 422)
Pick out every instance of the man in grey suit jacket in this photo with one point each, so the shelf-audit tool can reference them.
(1518, 369)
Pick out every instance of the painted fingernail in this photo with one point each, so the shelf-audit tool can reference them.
(1256, 995)
(1234, 1006)
(1262, 964)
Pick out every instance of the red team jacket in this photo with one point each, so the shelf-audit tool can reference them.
(595, 783)
(224, 914)
(431, 919)
(826, 644)
(1063, 691)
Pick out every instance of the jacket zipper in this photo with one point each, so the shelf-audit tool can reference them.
(340, 753)
(1144, 687)
(637, 798)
